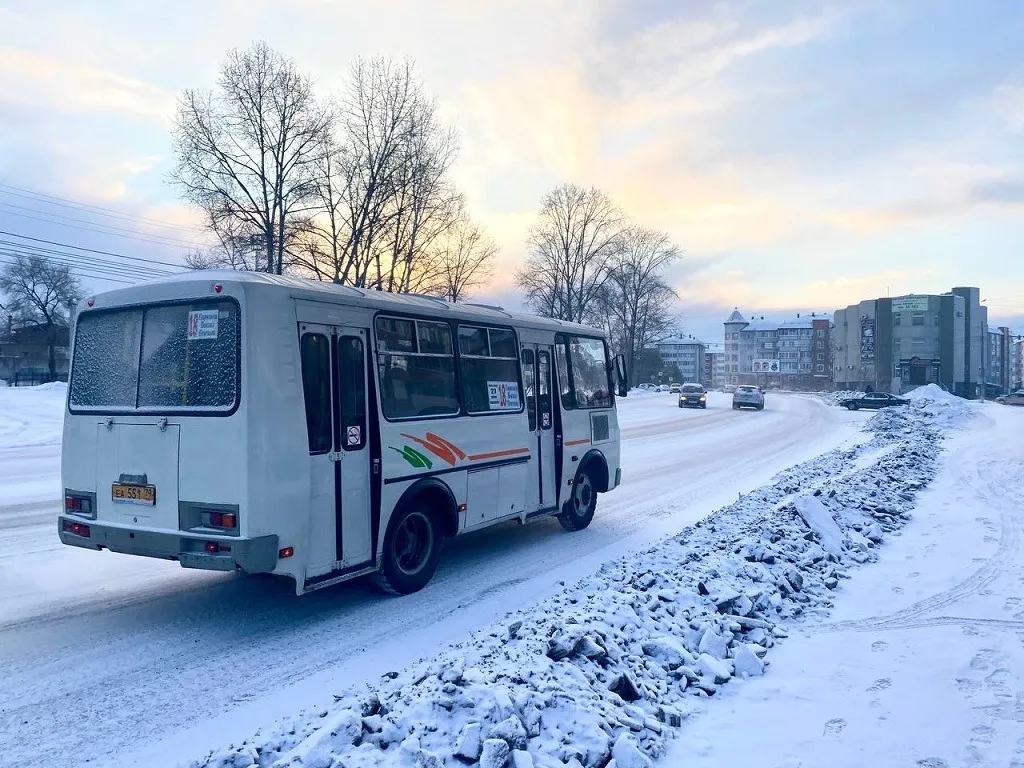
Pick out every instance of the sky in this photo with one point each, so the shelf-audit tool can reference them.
(805, 155)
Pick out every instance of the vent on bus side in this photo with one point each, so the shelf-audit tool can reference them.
(598, 427)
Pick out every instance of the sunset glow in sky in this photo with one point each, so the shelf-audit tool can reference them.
(805, 155)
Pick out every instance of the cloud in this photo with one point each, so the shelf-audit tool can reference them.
(63, 85)
(1008, 104)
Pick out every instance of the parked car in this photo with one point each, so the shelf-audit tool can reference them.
(661, 388)
(693, 396)
(873, 401)
(747, 396)
(1014, 398)
(675, 388)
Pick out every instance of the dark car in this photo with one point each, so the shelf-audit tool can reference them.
(693, 396)
(873, 401)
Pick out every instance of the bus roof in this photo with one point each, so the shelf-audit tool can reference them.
(316, 290)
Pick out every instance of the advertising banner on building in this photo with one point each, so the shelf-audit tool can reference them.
(910, 304)
(765, 366)
(867, 339)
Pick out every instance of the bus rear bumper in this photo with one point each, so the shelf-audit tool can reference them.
(252, 555)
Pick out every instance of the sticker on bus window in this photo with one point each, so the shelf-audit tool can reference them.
(354, 435)
(202, 325)
(503, 395)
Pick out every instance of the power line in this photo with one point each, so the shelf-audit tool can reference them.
(9, 262)
(78, 262)
(114, 229)
(92, 250)
(90, 262)
(152, 241)
(28, 194)
(36, 249)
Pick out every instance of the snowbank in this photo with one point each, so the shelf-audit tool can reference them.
(603, 673)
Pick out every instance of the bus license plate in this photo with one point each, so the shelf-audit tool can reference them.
(123, 493)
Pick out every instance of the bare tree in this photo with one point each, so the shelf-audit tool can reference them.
(461, 260)
(42, 292)
(636, 301)
(572, 248)
(247, 151)
(382, 183)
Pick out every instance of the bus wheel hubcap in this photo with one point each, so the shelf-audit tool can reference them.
(413, 543)
(582, 495)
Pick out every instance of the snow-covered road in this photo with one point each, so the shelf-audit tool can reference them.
(120, 660)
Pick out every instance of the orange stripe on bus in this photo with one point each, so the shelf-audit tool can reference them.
(578, 442)
(498, 454)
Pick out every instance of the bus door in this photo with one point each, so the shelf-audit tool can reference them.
(539, 404)
(334, 376)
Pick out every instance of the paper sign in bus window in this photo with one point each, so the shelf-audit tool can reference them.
(202, 324)
(355, 435)
(503, 395)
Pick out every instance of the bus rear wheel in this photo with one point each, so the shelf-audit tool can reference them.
(581, 504)
(412, 548)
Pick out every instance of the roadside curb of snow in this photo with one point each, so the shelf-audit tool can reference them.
(602, 674)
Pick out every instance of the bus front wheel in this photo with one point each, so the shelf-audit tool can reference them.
(580, 509)
(412, 547)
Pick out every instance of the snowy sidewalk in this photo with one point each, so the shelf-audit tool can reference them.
(922, 661)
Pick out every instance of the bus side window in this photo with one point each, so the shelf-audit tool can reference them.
(562, 369)
(530, 385)
(315, 351)
(352, 372)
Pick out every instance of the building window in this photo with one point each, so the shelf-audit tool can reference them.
(821, 368)
(917, 318)
(897, 318)
(820, 333)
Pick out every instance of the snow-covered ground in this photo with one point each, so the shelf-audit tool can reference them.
(624, 641)
(120, 660)
(922, 662)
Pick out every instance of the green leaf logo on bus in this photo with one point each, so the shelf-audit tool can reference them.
(414, 457)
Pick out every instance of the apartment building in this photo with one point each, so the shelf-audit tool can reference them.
(686, 353)
(794, 354)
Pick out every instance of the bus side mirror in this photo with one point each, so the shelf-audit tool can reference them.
(620, 375)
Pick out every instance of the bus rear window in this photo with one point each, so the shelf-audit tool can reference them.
(162, 358)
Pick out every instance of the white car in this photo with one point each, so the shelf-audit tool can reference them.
(675, 389)
(747, 396)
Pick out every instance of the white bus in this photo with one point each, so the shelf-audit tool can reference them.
(247, 422)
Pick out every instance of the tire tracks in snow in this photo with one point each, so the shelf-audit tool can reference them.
(1008, 553)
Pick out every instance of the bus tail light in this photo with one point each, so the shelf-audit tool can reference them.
(78, 505)
(286, 552)
(79, 529)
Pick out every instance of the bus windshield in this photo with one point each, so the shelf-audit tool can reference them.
(167, 357)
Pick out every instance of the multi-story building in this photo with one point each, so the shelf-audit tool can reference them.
(1018, 364)
(687, 354)
(896, 344)
(714, 363)
(794, 354)
(1000, 363)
